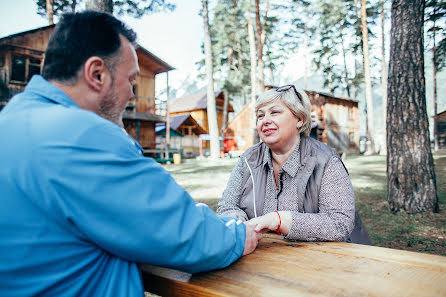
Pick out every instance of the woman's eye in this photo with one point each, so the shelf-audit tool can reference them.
(259, 116)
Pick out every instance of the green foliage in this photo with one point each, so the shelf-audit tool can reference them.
(435, 13)
(59, 6)
(140, 8)
(133, 8)
(230, 48)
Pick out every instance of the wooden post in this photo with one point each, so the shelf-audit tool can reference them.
(167, 118)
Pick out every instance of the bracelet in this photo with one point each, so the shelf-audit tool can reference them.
(280, 223)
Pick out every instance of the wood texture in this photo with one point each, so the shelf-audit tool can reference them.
(283, 268)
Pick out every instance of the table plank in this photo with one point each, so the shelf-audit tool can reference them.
(283, 268)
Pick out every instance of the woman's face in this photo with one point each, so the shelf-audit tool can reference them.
(277, 126)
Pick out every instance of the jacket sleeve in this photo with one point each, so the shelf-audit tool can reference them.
(335, 219)
(230, 201)
(107, 193)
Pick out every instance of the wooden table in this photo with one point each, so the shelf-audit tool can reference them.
(282, 268)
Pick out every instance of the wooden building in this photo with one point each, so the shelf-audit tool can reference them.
(335, 121)
(185, 135)
(196, 106)
(22, 54)
(441, 130)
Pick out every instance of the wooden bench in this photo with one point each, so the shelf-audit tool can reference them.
(282, 268)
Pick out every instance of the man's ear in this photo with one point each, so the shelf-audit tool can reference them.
(95, 73)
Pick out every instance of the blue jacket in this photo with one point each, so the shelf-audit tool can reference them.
(80, 205)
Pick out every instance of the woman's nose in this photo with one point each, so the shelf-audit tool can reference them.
(266, 119)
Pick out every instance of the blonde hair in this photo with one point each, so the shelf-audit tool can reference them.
(300, 107)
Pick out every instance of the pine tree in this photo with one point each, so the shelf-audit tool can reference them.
(435, 12)
(211, 105)
(129, 7)
(411, 180)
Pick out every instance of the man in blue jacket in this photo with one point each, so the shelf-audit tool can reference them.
(80, 205)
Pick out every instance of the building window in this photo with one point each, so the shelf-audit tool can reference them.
(23, 68)
(33, 68)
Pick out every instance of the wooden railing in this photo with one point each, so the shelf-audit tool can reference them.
(147, 105)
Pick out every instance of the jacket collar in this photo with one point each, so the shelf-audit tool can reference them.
(300, 157)
(41, 87)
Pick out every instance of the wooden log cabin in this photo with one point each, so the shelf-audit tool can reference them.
(441, 130)
(335, 121)
(196, 106)
(185, 135)
(22, 54)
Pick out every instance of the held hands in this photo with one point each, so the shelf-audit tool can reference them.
(251, 240)
(272, 221)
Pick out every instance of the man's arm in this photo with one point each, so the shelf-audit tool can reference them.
(131, 207)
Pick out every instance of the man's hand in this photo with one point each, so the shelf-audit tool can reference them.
(251, 240)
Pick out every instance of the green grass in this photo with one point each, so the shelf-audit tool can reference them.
(423, 232)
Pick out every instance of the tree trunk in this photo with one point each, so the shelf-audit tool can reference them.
(224, 119)
(100, 5)
(49, 11)
(434, 66)
(211, 105)
(346, 79)
(260, 42)
(306, 56)
(356, 55)
(367, 78)
(411, 180)
(252, 54)
(383, 79)
(73, 6)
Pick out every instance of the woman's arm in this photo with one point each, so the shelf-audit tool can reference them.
(335, 219)
(229, 203)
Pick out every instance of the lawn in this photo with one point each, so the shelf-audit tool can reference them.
(425, 232)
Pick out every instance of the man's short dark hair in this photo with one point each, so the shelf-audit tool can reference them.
(79, 36)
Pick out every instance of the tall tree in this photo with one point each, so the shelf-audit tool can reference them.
(261, 35)
(211, 105)
(411, 180)
(120, 7)
(295, 18)
(435, 11)
(383, 75)
(367, 78)
(253, 56)
(100, 5)
(331, 25)
(253, 59)
(51, 8)
(49, 11)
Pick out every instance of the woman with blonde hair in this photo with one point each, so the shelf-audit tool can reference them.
(291, 183)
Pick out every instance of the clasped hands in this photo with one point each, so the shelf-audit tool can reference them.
(270, 222)
(257, 226)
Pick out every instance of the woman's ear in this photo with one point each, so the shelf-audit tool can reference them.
(299, 123)
(95, 73)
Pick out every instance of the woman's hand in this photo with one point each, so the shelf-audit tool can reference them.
(271, 221)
